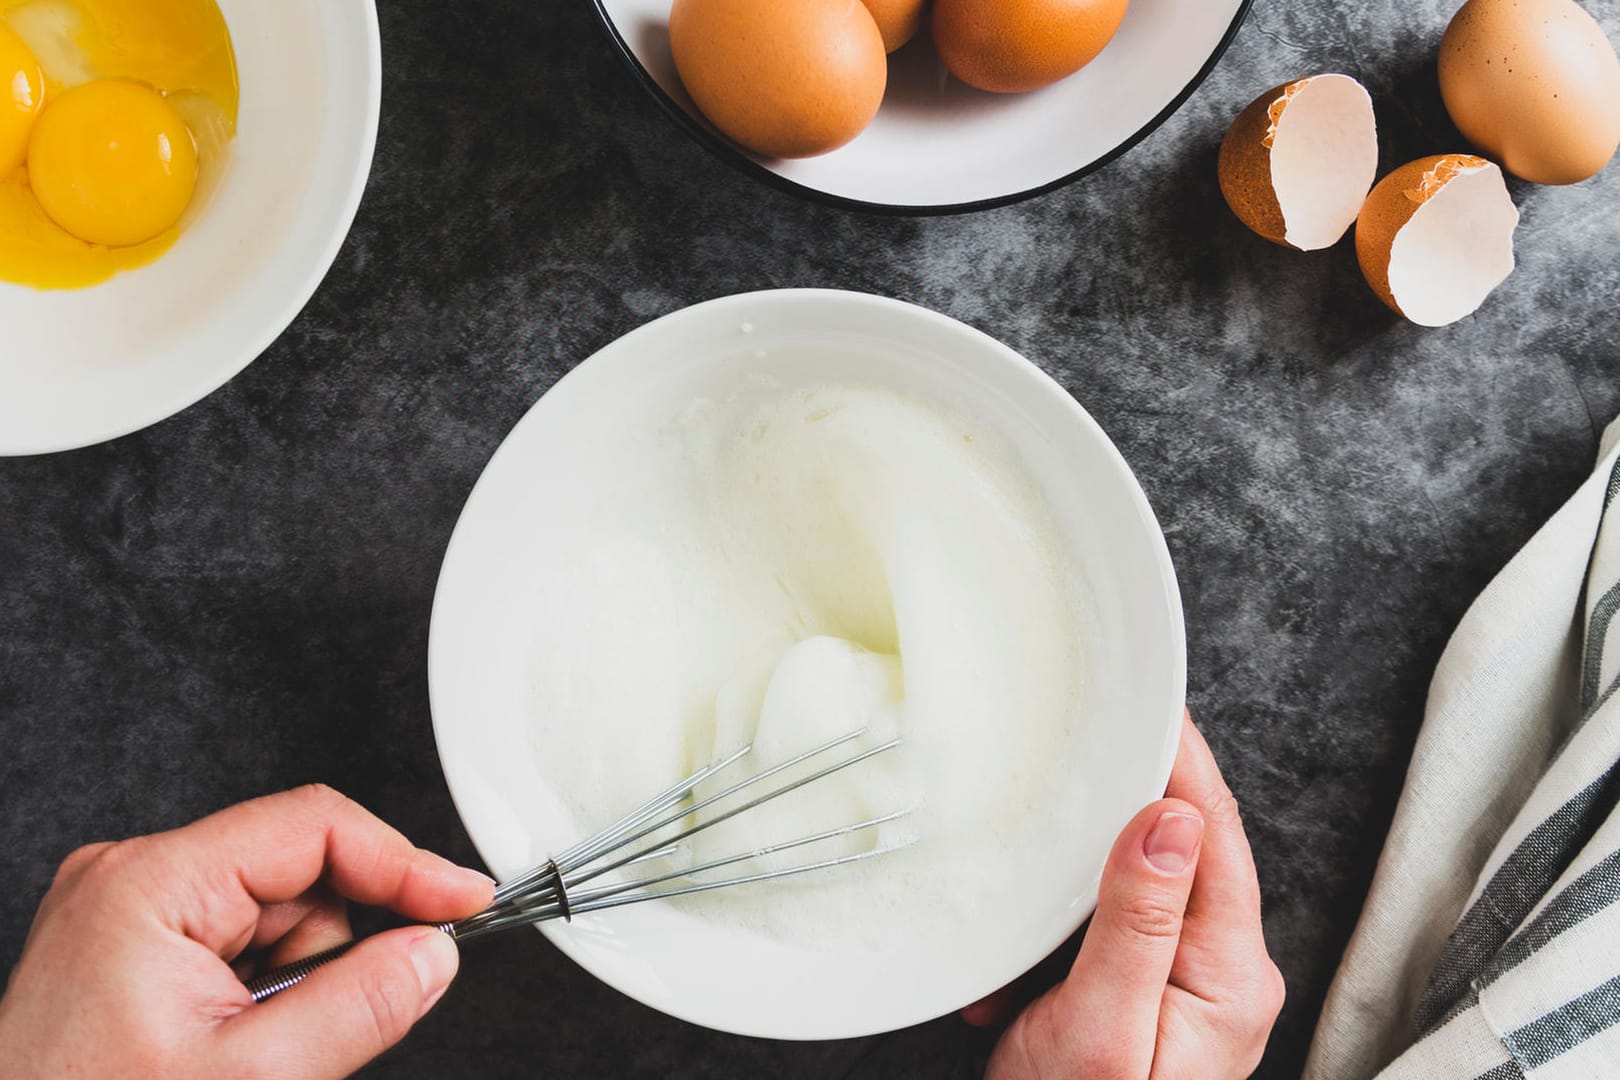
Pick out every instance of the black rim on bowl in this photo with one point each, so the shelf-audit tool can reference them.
(728, 152)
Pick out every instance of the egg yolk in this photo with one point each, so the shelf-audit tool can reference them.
(112, 163)
(22, 92)
(137, 100)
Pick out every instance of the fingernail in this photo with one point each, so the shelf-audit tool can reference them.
(1170, 844)
(476, 875)
(436, 959)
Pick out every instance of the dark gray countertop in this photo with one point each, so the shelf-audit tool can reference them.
(236, 600)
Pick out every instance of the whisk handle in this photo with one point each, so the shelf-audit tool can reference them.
(274, 981)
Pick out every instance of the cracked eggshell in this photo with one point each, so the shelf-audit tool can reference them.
(1533, 84)
(1297, 164)
(1436, 236)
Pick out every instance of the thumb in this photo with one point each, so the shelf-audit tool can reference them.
(345, 1013)
(1102, 1021)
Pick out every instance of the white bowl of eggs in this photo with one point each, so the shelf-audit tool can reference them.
(921, 106)
(772, 520)
(176, 177)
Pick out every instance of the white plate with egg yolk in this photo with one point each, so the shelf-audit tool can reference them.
(609, 592)
(82, 365)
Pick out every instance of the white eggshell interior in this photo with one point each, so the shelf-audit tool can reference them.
(1324, 159)
(1456, 248)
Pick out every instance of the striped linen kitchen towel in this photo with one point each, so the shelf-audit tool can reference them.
(1489, 946)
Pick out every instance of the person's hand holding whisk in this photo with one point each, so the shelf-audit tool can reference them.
(129, 967)
(127, 971)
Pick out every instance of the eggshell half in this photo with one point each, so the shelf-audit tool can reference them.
(1436, 236)
(1297, 163)
(1533, 84)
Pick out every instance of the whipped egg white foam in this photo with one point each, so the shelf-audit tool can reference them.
(791, 564)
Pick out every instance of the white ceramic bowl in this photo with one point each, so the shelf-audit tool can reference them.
(939, 146)
(483, 632)
(85, 365)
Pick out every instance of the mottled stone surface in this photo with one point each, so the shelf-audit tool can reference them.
(237, 600)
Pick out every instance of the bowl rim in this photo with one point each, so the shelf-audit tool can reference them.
(274, 325)
(1168, 591)
(729, 153)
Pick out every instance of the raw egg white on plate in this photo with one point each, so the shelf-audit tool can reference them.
(115, 123)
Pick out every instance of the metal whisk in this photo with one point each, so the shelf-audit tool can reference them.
(553, 890)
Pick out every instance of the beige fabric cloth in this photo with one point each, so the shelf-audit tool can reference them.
(1504, 700)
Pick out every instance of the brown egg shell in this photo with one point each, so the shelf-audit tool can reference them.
(1244, 166)
(1534, 85)
(1013, 46)
(897, 20)
(1297, 163)
(784, 80)
(1390, 207)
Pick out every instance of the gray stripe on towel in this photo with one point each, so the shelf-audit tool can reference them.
(1518, 884)
(1592, 892)
(1597, 635)
(1567, 1026)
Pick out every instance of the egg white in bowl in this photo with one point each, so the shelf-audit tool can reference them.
(568, 646)
(80, 366)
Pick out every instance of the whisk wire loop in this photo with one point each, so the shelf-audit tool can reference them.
(552, 889)
(579, 879)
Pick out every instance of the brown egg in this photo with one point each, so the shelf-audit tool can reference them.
(1535, 85)
(1013, 45)
(898, 20)
(785, 78)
